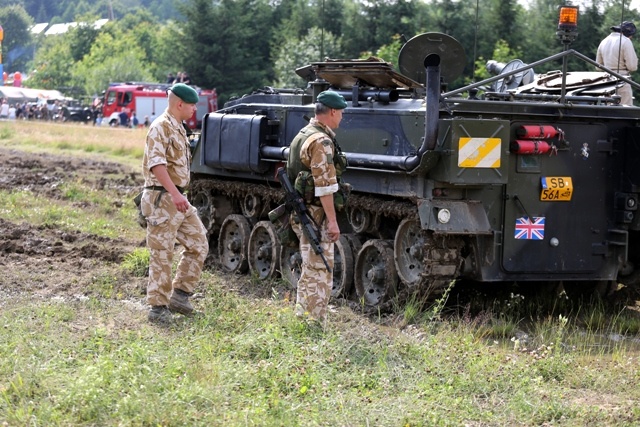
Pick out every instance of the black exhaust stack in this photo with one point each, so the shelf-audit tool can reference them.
(404, 163)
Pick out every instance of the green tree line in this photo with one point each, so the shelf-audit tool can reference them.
(237, 46)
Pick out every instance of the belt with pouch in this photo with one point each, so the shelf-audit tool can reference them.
(162, 190)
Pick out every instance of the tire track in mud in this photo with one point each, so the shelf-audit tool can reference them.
(47, 259)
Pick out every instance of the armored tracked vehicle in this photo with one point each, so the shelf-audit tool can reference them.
(534, 180)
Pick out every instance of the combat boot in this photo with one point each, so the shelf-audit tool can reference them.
(160, 314)
(179, 302)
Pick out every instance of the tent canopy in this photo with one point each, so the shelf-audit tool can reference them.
(23, 94)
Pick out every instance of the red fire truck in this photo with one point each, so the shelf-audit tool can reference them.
(149, 100)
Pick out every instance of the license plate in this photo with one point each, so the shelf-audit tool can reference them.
(556, 189)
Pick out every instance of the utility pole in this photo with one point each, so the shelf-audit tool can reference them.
(111, 10)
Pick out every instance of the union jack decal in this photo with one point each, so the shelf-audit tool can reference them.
(525, 229)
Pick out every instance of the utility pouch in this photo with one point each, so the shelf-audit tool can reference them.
(140, 218)
(305, 185)
(340, 163)
(341, 197)
(280, 218)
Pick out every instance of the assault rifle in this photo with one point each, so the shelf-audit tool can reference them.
(294, 201)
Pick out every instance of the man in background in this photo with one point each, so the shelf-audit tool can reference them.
(616, 52)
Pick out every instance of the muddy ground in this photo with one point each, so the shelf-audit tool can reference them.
(48, 261)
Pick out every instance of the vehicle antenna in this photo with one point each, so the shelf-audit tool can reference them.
(322, 33)
(475, 45)
(620, 44)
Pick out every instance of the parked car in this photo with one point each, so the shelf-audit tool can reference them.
(75, 111)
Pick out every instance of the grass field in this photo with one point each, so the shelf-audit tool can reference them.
(121, 144)
(81, 353)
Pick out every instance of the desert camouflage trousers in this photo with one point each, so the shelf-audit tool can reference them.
(626, 94)
(316, 282)
(165, 225)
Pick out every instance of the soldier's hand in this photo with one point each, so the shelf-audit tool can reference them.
(333, 231)
(181, 202)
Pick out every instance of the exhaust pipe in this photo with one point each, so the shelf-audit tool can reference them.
(386, 96)
(403, 163)
(432, 114)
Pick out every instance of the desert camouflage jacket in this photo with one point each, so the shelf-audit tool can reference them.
(167, 144)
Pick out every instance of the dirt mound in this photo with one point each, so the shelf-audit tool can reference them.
(27, 240)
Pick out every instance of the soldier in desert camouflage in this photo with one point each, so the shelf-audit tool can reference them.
(169, 215)
(313, 156)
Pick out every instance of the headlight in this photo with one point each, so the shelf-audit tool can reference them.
(444, 216)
